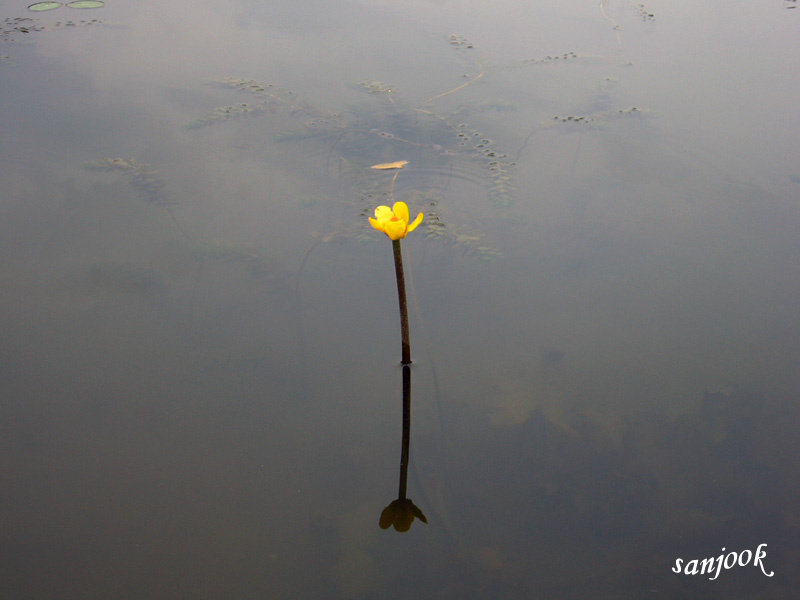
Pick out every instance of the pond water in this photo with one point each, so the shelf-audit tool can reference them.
(200, 390)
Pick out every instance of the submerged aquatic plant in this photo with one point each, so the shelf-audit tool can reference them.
(148, 184)
(151, 188)
(437, 134)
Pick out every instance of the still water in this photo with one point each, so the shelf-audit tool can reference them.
(200, 391)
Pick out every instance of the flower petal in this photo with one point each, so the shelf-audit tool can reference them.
(395, 229)
(417, 221)
(383, 213)
(379, 225)
(400, 210)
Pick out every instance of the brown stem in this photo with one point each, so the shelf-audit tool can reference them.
(401, 296)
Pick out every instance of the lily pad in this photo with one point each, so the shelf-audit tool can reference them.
(40, 6)
(85, 4)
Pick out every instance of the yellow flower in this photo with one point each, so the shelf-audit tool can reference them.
(394, 221)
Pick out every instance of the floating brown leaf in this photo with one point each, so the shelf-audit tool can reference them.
(392, 165)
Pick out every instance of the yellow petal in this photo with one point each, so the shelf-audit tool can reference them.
(400, 210)
(383, 213)
(392, 165)
(377, 224)
(396, 230)
(417, 221)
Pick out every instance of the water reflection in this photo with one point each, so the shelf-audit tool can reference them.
(599, 491)
(401, 513)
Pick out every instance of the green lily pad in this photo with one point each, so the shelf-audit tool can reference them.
(85, 4)
(40, 6)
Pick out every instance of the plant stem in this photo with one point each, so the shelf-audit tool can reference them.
(401, 296)
(406, 432)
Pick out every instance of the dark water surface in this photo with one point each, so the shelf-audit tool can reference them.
(200, 394)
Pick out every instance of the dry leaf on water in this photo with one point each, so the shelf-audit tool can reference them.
(392, 165)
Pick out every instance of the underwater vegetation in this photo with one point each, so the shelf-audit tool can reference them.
(359, 136)
(151, 188)
(147, 183)
(435, 143)
(388, 127)
(427, 147)
(18, 30)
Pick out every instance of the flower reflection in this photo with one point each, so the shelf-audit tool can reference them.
(401, 514)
